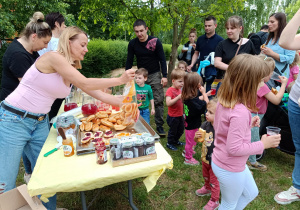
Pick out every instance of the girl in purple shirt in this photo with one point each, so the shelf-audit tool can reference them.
(232, 125)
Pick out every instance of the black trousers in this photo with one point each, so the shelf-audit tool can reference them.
(176, 130)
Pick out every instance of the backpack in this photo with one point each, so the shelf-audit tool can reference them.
(258, 39)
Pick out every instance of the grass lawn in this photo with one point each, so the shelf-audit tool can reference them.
(176, 188)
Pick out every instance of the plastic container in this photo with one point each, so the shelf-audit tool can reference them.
(67, 123)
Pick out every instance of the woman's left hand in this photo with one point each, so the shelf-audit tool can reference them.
(128, 75)
(255, 122)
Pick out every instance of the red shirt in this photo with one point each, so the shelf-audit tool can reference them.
(176, 110)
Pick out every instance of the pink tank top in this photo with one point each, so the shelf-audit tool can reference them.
(37, 91)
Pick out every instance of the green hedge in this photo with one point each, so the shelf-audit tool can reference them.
(106, 55)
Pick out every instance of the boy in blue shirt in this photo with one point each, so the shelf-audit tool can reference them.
(144, 94)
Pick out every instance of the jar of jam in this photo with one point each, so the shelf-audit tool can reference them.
(138, 148)
(101, 153)
(149, 146)
(127, 150)
(115, 148)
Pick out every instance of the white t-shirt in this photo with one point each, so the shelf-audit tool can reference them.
(52, 46)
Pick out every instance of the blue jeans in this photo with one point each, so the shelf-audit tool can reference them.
(145, 114)
(27, 164)
(294, 120)
(18, 134)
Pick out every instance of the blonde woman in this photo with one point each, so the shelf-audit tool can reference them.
(25, 109)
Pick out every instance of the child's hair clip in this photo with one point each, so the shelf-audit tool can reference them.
(265, 58)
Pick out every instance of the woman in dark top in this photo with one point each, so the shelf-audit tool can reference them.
(188, 49)
(229, 47)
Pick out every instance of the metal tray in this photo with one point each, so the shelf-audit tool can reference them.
(140, 126)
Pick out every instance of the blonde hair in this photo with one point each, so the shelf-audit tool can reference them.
(212, 103)
(191, 85)
(177, 74)
(241, 81)
(37, 26)
(296, 59)
(69, 34)
(270, 64)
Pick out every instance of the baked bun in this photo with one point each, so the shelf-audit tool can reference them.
(119, 127)
(86, 139)
(88, 126)
(95, 127)
(90, 118)
(82, 127)
(203, 134)
(274, 91)
(107, 123)
(104, 128)
(263, 46)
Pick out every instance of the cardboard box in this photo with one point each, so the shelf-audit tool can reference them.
(19, 198)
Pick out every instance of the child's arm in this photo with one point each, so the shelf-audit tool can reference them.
(171, 102)
(152, 107)
(276, 99)
(204, 98)
(295, 76)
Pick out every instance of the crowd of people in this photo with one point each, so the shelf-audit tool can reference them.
(34, 85)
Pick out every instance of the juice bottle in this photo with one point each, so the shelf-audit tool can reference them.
(68, 147)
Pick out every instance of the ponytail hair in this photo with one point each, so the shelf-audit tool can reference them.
(193, 30)
(37, 26)
(236, 22)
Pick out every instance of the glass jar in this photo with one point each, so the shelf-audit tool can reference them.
(149, 146)
(127, 150)
(138, 148)
(101, 154)
(115, 148)
(70, 102)
(88, 105)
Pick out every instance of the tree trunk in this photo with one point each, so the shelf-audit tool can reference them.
(175, 44)
(173, 55)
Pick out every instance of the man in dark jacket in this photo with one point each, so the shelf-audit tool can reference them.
(150, 55)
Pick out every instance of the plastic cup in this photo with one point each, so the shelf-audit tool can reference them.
(271, 130)
(275, 76)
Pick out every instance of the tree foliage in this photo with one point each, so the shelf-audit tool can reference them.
(15, 14)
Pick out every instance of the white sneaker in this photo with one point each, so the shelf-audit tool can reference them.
(287, 197)
(27, 178)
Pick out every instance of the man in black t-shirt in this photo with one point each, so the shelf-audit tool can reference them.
(150, 55)
(260, 38)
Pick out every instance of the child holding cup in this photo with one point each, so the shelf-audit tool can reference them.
(263, 96)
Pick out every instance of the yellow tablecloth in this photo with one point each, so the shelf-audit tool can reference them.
(57, 173)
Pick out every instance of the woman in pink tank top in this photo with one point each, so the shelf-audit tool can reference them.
(24, 123)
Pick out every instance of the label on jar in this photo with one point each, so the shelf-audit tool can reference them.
(69, 131)
(118, 153)
(150, 150)
(104, 155)
(136, 152)
(127, 154)
(67, 149)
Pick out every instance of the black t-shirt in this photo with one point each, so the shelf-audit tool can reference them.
(15, 62)
(226, 49)
(149, 55)
(193, 108)
(208, 144)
